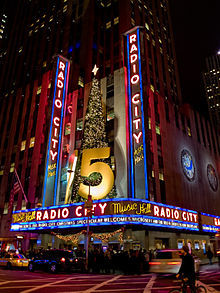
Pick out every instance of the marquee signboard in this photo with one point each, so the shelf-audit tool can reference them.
(210, 223)
(54, 150)
(135, 117)
(106, 212)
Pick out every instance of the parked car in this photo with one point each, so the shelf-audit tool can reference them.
(169, 261)
(55, 260)
(11, 260)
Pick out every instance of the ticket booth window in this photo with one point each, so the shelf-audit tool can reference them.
(196, 245)
(180, 243)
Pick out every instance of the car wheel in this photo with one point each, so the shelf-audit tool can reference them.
(9, 267)
(53, 268)
(31, 267)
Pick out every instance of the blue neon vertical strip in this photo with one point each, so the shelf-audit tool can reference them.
(142, 115)
(131, 173)
(60, 137)
(49, 141)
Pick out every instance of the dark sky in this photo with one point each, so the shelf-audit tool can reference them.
(196, 26)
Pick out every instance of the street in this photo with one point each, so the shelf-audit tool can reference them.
(39, 282)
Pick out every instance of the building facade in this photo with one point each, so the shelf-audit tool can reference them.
(211, 87)
(177, 161)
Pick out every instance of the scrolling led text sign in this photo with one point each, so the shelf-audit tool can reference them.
(138, 168)
(56, 130)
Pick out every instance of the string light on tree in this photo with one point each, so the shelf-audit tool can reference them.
(94, 136)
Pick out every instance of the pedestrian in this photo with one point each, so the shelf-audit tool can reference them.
(187, 269)
(209, 255)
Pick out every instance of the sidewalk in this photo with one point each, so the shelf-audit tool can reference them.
(208, 267)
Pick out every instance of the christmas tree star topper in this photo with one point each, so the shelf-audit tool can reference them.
(95, 69)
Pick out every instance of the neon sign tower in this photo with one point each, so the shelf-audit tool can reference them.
(54, 150)
(138, 186)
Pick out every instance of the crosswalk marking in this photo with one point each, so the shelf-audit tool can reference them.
(102, 284)
(150, 284)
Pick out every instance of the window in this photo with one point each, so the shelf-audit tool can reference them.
(23, 144)
(5, 208)
(149, 123)
(39, 90)
(157, 127)
(161, 177)
(189, 132)
(32, 141)
(79, 124)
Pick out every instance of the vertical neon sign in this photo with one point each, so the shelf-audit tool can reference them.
(137, 148)
(54, 150)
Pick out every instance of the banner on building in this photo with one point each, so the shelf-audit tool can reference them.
(210, 223)
(54, 149)
(106, 212)
(138, 185)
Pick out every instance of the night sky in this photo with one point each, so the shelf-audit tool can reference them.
(196, 26)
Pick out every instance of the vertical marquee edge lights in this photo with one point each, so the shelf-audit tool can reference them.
(54, 150)
(138, 184)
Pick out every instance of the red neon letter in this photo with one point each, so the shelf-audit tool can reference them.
(61, 65)
(135, 79)
(61, 75)
(54, 141)
(55, 132)
(136, 112)
(58, 103)
(195, 218)
(39, 215)
(133, 58)
(60, 84)
(134, 68)
(137, 137)
(168, 212)
(136, 123)
(65, 213)
(56, 121)
(52, 214)
(46, 216)
(133, 48)
(156, 211)
(184, 216)
(176, 215)
(135, 99)
(53, 155)
(102, 207)
(132, 38)
(77, 211)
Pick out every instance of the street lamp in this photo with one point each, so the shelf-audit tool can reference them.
(88, 205)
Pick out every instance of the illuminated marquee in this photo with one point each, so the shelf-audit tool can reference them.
(210, 223)
(56, 130)
(137, 149)
(106, 212)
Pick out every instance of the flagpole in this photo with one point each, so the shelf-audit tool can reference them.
(25, 197)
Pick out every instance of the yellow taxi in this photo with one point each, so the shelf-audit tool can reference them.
(10, 260)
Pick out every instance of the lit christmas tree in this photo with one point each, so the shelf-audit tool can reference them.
(94, 136)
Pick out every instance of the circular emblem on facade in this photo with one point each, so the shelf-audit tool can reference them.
(212, 177)
(188, 165)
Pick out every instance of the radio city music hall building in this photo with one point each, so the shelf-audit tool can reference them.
(164, 154)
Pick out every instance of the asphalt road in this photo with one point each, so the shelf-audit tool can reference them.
(16, 281)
